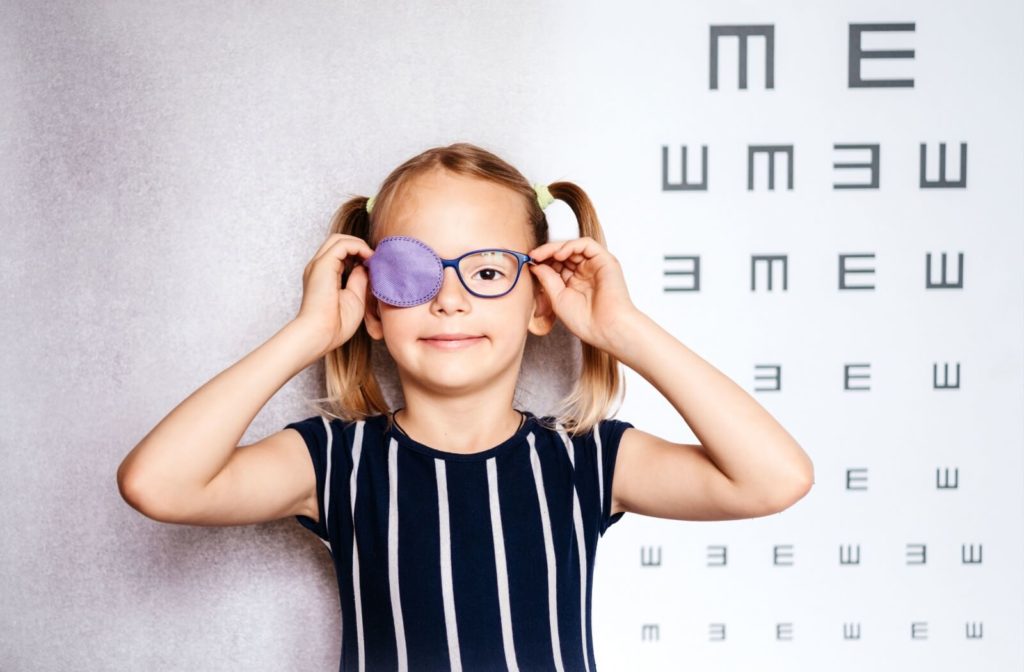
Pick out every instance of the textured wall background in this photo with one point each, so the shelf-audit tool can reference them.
(167, 169)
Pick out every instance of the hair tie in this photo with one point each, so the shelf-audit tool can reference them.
(544, 197)
(369, 204)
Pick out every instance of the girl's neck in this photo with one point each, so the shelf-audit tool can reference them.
(467, 445)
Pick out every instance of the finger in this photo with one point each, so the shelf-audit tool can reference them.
(351, 245)
(546, 250)
(330, 240)
(339, 257)
(357, 247)
(581, 249)
(571, 263)
(553, 254)
(548, 279)
(343, 246)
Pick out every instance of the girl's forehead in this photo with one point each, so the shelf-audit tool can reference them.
(455, 226)
(453, 213)
(452, 239)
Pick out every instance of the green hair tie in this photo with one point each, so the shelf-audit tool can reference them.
(369, 204)
(544, 197)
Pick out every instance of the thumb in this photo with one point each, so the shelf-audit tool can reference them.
(549, 279)
(357, 283)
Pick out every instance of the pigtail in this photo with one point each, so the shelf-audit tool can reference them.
(600, 383)
(353, 391)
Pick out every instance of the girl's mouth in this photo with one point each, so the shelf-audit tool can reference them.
(453, 343)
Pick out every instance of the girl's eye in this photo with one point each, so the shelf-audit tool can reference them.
(489, 270)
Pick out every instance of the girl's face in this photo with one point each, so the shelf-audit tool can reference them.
(454, 214)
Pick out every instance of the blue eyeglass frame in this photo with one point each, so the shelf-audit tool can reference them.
(454, 263)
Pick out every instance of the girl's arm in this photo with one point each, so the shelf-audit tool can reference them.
(168, 474)
(187, 469)
(746, 465)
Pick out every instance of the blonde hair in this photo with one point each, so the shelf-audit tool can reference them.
(353, 391)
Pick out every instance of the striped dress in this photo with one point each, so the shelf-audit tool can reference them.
(453, 562)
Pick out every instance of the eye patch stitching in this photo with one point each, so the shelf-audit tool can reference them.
(437, 283)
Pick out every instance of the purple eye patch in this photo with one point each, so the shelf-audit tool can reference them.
(404, 271)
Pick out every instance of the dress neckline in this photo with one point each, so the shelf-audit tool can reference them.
(406, 441)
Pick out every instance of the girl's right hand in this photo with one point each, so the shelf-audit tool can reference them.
(331, 311)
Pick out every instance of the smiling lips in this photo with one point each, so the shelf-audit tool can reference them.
(452, 341)
(449, 337)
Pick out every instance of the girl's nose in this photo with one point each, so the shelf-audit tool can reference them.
(452, 295)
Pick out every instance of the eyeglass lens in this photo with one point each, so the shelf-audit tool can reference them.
(490, 272)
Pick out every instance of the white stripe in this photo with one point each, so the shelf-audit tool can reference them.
(600, 471)
(357, 451)
(549, 555)
(500, 566)
(396, 593)
(577, 524)
(326, 494)
(447, 585)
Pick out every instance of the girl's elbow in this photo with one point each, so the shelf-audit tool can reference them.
(797, 491)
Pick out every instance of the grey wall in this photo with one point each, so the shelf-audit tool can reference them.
(167, 170)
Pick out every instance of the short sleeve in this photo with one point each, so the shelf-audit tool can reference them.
(609, 433)
(316, 432)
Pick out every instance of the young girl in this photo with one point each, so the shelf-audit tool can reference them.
(463, 530)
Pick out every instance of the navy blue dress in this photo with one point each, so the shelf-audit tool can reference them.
(447, 561)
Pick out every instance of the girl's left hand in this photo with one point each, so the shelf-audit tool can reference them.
(586, 287)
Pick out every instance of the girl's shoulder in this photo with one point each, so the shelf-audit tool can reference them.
(322, 428)
(607, 427)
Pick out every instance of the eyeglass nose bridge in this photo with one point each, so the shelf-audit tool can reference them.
(521, 257)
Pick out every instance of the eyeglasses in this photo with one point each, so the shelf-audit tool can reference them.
(405, 271)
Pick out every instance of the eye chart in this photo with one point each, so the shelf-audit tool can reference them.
(824, 201)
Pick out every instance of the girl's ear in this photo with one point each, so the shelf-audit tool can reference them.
(371, 317)
(543, 319)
